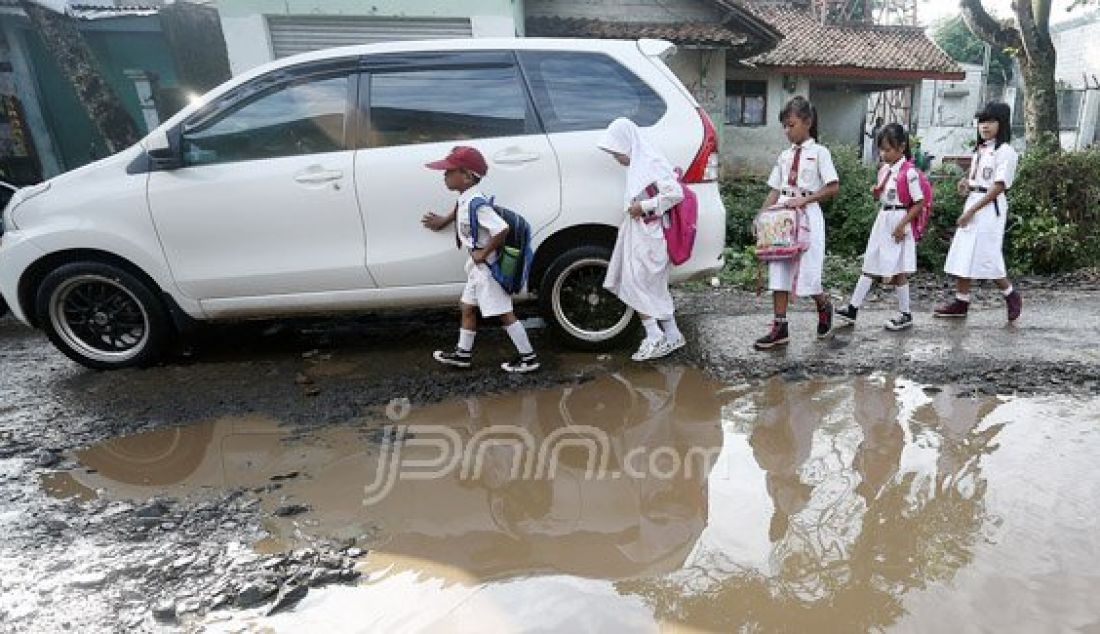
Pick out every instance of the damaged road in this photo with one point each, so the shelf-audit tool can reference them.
(95, 541)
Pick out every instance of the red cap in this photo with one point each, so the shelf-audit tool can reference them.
(462, 157)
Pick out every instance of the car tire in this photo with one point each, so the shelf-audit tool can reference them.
(580, 311)
(102, 316)
(3, 307)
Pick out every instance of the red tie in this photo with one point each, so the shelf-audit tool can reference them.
(792, 177)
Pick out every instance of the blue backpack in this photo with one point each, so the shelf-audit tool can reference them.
(513, 261)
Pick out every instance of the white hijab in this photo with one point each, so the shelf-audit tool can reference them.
(647, 165)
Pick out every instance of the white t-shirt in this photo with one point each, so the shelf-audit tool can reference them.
(489, 223)
(815, 168)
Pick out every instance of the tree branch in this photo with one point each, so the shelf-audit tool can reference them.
(983, 25)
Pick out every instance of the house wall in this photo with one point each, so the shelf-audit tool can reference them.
(946, 115)
(703, 73)
(1078, 44)
(840, 114)
(248, 41)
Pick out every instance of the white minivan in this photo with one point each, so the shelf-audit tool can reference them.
(298, 188)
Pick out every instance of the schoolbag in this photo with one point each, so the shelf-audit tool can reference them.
(683, 222)
(781, 234)
(920, 223)
(513, 261)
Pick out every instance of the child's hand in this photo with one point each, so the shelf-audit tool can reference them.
(434, 221)
(635, 210)
(962, 187)
(796, 203)
(479, 256)
(899, 232)
(965, 219)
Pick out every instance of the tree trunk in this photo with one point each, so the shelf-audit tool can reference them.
(1034, 50)
(1040, 99)
(78, 65)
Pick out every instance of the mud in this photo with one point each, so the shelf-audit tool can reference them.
(229, 482)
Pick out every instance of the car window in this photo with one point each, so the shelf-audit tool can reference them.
(587, 91)
(304, 117)
(445, 104)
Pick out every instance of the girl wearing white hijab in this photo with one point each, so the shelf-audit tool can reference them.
(639, 267)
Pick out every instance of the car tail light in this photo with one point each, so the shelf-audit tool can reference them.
(704, 168)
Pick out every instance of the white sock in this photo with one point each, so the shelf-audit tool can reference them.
(466, 339)
(671, 330)
(519, 337)
(963, 297)
(652, 330)
(903, 298)
(863, 286)
(1008, 291)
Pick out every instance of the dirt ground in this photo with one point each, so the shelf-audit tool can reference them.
(74, 558)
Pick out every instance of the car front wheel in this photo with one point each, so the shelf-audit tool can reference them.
(580, 311)
(101, 316)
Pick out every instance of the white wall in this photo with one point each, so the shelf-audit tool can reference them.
(753, 150)
(1078, 44)
(840, 116)
(946, 118)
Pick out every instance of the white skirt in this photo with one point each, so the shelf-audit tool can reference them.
(639, 268)
(781, 275)
(886, 257)
(976, 249)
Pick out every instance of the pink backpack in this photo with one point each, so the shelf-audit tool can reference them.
(920, 223)
(683, 220)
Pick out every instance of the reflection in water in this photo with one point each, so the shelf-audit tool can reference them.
(854, 526)
(830, 505)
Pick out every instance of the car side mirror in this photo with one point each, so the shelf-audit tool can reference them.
(163, 148)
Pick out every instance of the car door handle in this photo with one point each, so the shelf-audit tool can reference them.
(515, 158)
(319, 176)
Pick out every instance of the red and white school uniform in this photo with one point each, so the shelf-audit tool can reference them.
(976, 250)
(886, 257)
(802, 170)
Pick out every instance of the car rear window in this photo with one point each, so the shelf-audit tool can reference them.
(587, 91)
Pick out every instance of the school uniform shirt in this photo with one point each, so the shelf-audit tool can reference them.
(814, 170)
(976, 250)
(886, 257)
(639, 268)
(481, 290)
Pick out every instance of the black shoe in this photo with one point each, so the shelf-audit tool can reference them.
(522, 364)
(846, 316)
(459, 358)
(777, 337)
(901, 322)
(825, 320)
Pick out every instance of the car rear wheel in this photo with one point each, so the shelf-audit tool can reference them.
(580, 311)
(101, 316)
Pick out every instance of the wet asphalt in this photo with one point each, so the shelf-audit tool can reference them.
(147, 565)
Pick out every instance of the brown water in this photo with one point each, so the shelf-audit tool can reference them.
(660, 501)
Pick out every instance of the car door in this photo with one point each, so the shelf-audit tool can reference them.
(415, 108)
(577, 94)
(265, 203)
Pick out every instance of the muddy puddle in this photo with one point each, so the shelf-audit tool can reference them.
(657, 500)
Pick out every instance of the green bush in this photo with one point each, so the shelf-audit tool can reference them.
(743, 197)
(850, 215)
(1054, 218)
(947, 205)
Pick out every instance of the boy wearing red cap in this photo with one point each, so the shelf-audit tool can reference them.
(463, 170)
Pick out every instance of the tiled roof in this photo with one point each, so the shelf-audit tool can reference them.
(697, 33)
(852, 49)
